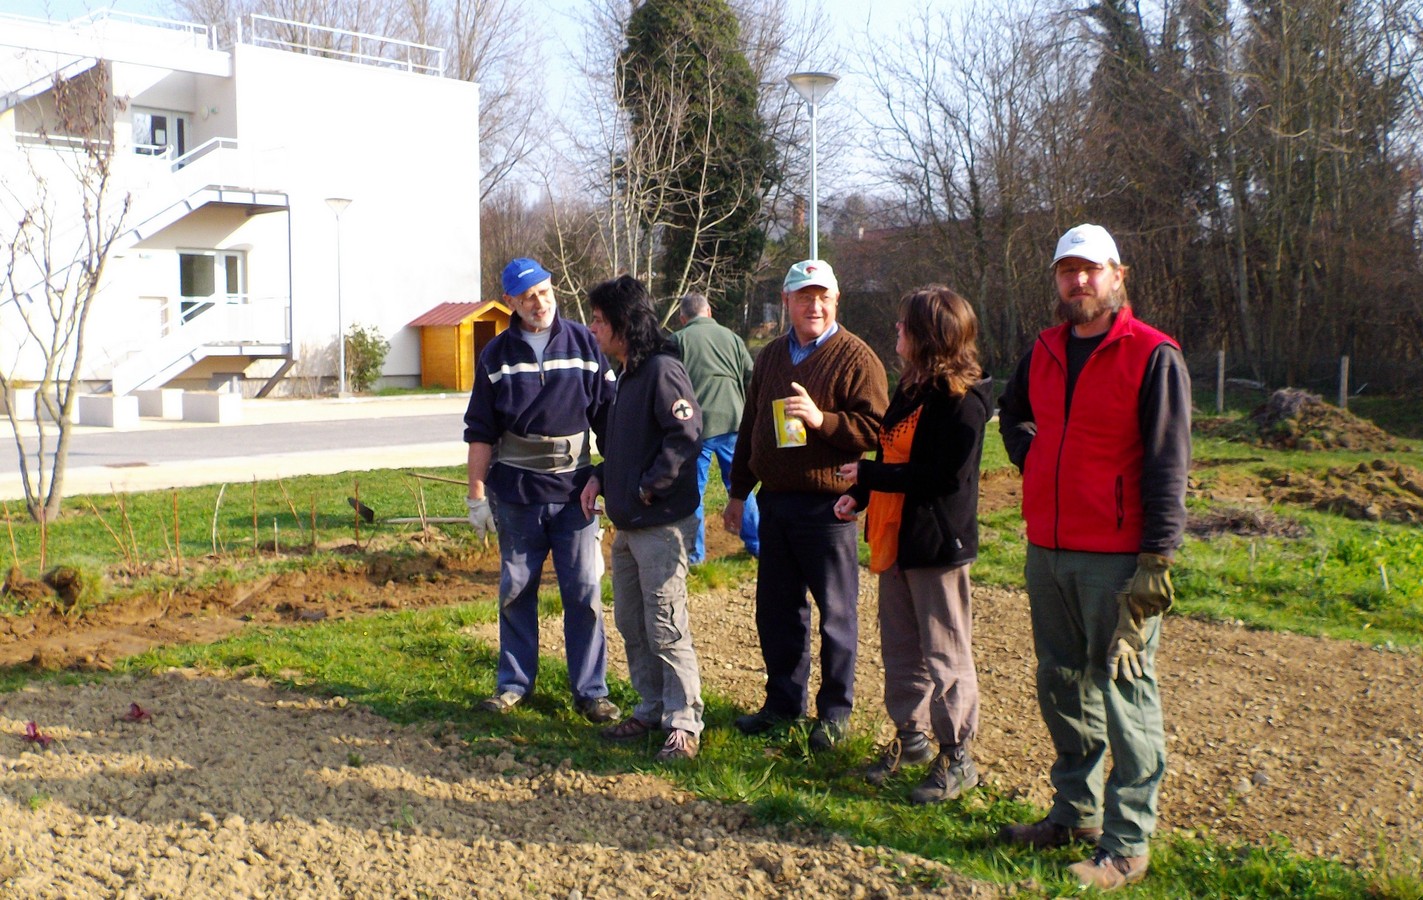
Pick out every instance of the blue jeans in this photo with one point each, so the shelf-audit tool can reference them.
(724, 446)
(527, 534)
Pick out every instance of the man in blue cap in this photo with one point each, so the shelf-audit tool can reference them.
(539, 389)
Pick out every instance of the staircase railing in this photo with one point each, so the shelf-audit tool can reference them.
(234, 320)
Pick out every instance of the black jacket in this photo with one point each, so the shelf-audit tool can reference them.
(651, 442)
(940, 482)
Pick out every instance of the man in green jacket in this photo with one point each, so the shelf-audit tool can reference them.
(719, 365)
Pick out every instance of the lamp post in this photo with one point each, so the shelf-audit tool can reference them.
(812, 87)
(338, 205)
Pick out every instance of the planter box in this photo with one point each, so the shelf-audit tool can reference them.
(163, 403)
(22, 402)
(207, 406)
(108, 411)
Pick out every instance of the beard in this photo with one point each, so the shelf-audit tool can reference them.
(1089, 308)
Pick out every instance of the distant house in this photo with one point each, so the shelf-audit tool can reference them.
(227, 270)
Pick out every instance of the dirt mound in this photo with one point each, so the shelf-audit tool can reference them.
(1241, 521)
(1292, 419)
(1377, 491)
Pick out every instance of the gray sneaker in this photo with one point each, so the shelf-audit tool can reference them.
(598, 709)
(680, 745)
(909, 748)
(501, 702)
(952, 773)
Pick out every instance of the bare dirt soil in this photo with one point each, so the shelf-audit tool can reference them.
(234, 787)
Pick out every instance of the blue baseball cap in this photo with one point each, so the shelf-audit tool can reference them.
(522, 274)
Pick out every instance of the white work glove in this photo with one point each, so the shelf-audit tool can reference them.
(1125, 651)
(599, 565)
(481, 518)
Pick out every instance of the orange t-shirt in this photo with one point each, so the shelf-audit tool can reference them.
(886, 510)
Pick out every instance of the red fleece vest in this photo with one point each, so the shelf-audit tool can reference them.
(1082, 477)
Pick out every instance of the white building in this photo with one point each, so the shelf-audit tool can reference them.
(227, 266)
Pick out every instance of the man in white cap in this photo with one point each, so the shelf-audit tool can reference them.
(1097, 416)
(835, 385)
(539, 388)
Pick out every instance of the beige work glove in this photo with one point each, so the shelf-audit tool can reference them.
(1126, 648)
(1150, 591)
(481, 518)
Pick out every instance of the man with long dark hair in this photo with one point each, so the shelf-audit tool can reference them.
(649, 479)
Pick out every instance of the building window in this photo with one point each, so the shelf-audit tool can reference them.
(159, 134)
(206, 277)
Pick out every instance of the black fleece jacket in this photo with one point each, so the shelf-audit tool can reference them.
(940, 482)
(650, 444)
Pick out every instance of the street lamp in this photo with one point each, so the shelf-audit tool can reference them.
(812, 87)
(338, 205)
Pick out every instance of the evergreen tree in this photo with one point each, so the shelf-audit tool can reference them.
(691, 97)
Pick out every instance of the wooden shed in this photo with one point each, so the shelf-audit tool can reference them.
(451, 337)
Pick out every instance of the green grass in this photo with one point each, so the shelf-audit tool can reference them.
(1330, 581)
(153, 540)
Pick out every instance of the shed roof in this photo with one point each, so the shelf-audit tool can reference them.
(455, 313)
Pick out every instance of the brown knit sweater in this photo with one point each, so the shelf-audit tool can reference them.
(846, 380)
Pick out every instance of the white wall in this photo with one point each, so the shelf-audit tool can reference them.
(404, 148)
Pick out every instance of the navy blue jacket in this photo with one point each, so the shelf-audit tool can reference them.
(652, 441)
(569, 393)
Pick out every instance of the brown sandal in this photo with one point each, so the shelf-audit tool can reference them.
(629, 729)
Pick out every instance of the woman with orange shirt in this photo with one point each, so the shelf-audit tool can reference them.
(921, 490)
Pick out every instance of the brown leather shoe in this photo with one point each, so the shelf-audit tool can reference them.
(1106, 871)
(1046, 833)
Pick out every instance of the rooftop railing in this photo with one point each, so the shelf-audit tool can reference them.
(340, 43)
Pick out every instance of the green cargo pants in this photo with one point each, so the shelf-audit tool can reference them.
(1072, 597)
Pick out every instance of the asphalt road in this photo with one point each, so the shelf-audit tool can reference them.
(137, 448)
(276, 439)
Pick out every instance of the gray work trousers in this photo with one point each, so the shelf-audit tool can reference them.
(1072, 598)
(650, 609)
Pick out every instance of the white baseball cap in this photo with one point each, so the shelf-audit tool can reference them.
(810, 273)
(1089, 242)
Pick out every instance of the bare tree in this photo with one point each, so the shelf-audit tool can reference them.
(977, 133)
(69, 214)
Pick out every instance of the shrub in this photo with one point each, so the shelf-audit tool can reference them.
(365, 355)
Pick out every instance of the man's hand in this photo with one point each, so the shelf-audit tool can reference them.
(804, 408)
(1125, 650)
(1150, 587)
(588, 500)
(846, 508)
(851, 472)
(731, 516)
(481, 518)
